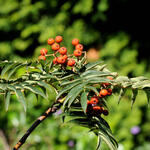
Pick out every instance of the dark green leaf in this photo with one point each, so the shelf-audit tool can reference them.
(93, 89)
(68, 87)
(134, 94)
(84, 101)
(92, 64)
(108, 141)
(73, 94)
(122, 92)
(21, 98)
(94, 73)
(35, 90)
(148, 96)
(7, 68)
(98, 142)
(14, 69)
(42, 83)
(70, 82)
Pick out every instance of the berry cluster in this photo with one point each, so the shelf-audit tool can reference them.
(95, 105)
(95, 108)
(60, 53)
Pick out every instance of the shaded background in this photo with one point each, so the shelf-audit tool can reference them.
(114, 31)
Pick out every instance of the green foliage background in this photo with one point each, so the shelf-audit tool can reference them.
(25, 26)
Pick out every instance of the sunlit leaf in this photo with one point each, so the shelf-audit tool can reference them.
(7, 100)
(84, 101)
(21, 98)
(134, 94)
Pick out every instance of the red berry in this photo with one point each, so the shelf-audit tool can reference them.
(50, 41)
(77, 53)
(41, 57)
(58, 39)
(63, 50)
(94, 100)
(71, 62)
(89, 107)
(105, 112)
(60, 60)
(79, 47)
(75, 42)
(55, 60)
(43, 51)
(55, 46)
(109, 91)
(103, 92)
(97, 110)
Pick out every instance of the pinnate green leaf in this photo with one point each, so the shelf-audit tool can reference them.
(84, 101)
(7, 100)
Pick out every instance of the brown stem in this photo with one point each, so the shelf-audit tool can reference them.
(47, 113)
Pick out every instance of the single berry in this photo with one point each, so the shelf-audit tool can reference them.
(41, 57)
(75, 42)
(43, 51)
(58, 39)
(97, 110)
(63, 50)
(109, 77)
(89, 107)
(71, 62)
(103, 92)
(60, 60)
(107, 84)
(77, 53)
(55, 46)
(94, 100)
(65, 57)
(105, 112)
(79, 47)
(109, 91)
(55, 60)
(50, 41)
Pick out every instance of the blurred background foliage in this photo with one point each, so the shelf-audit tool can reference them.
(114, 31)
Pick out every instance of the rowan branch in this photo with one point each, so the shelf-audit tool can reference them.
(47, 113)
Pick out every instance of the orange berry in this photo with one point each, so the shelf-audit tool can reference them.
(94, 100)
(60, 60)
(43, 51)
(55, 60)
(109, 77)
(65, 57)
(107, 84)
(58, 39)
(41, 57)
(55, 46)
(50, 41)
(79, 47)
(97, 110)
(88, 102)
(63, 50)
(77, 53)
(71, 62)
(75, 42)
(103, 92)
